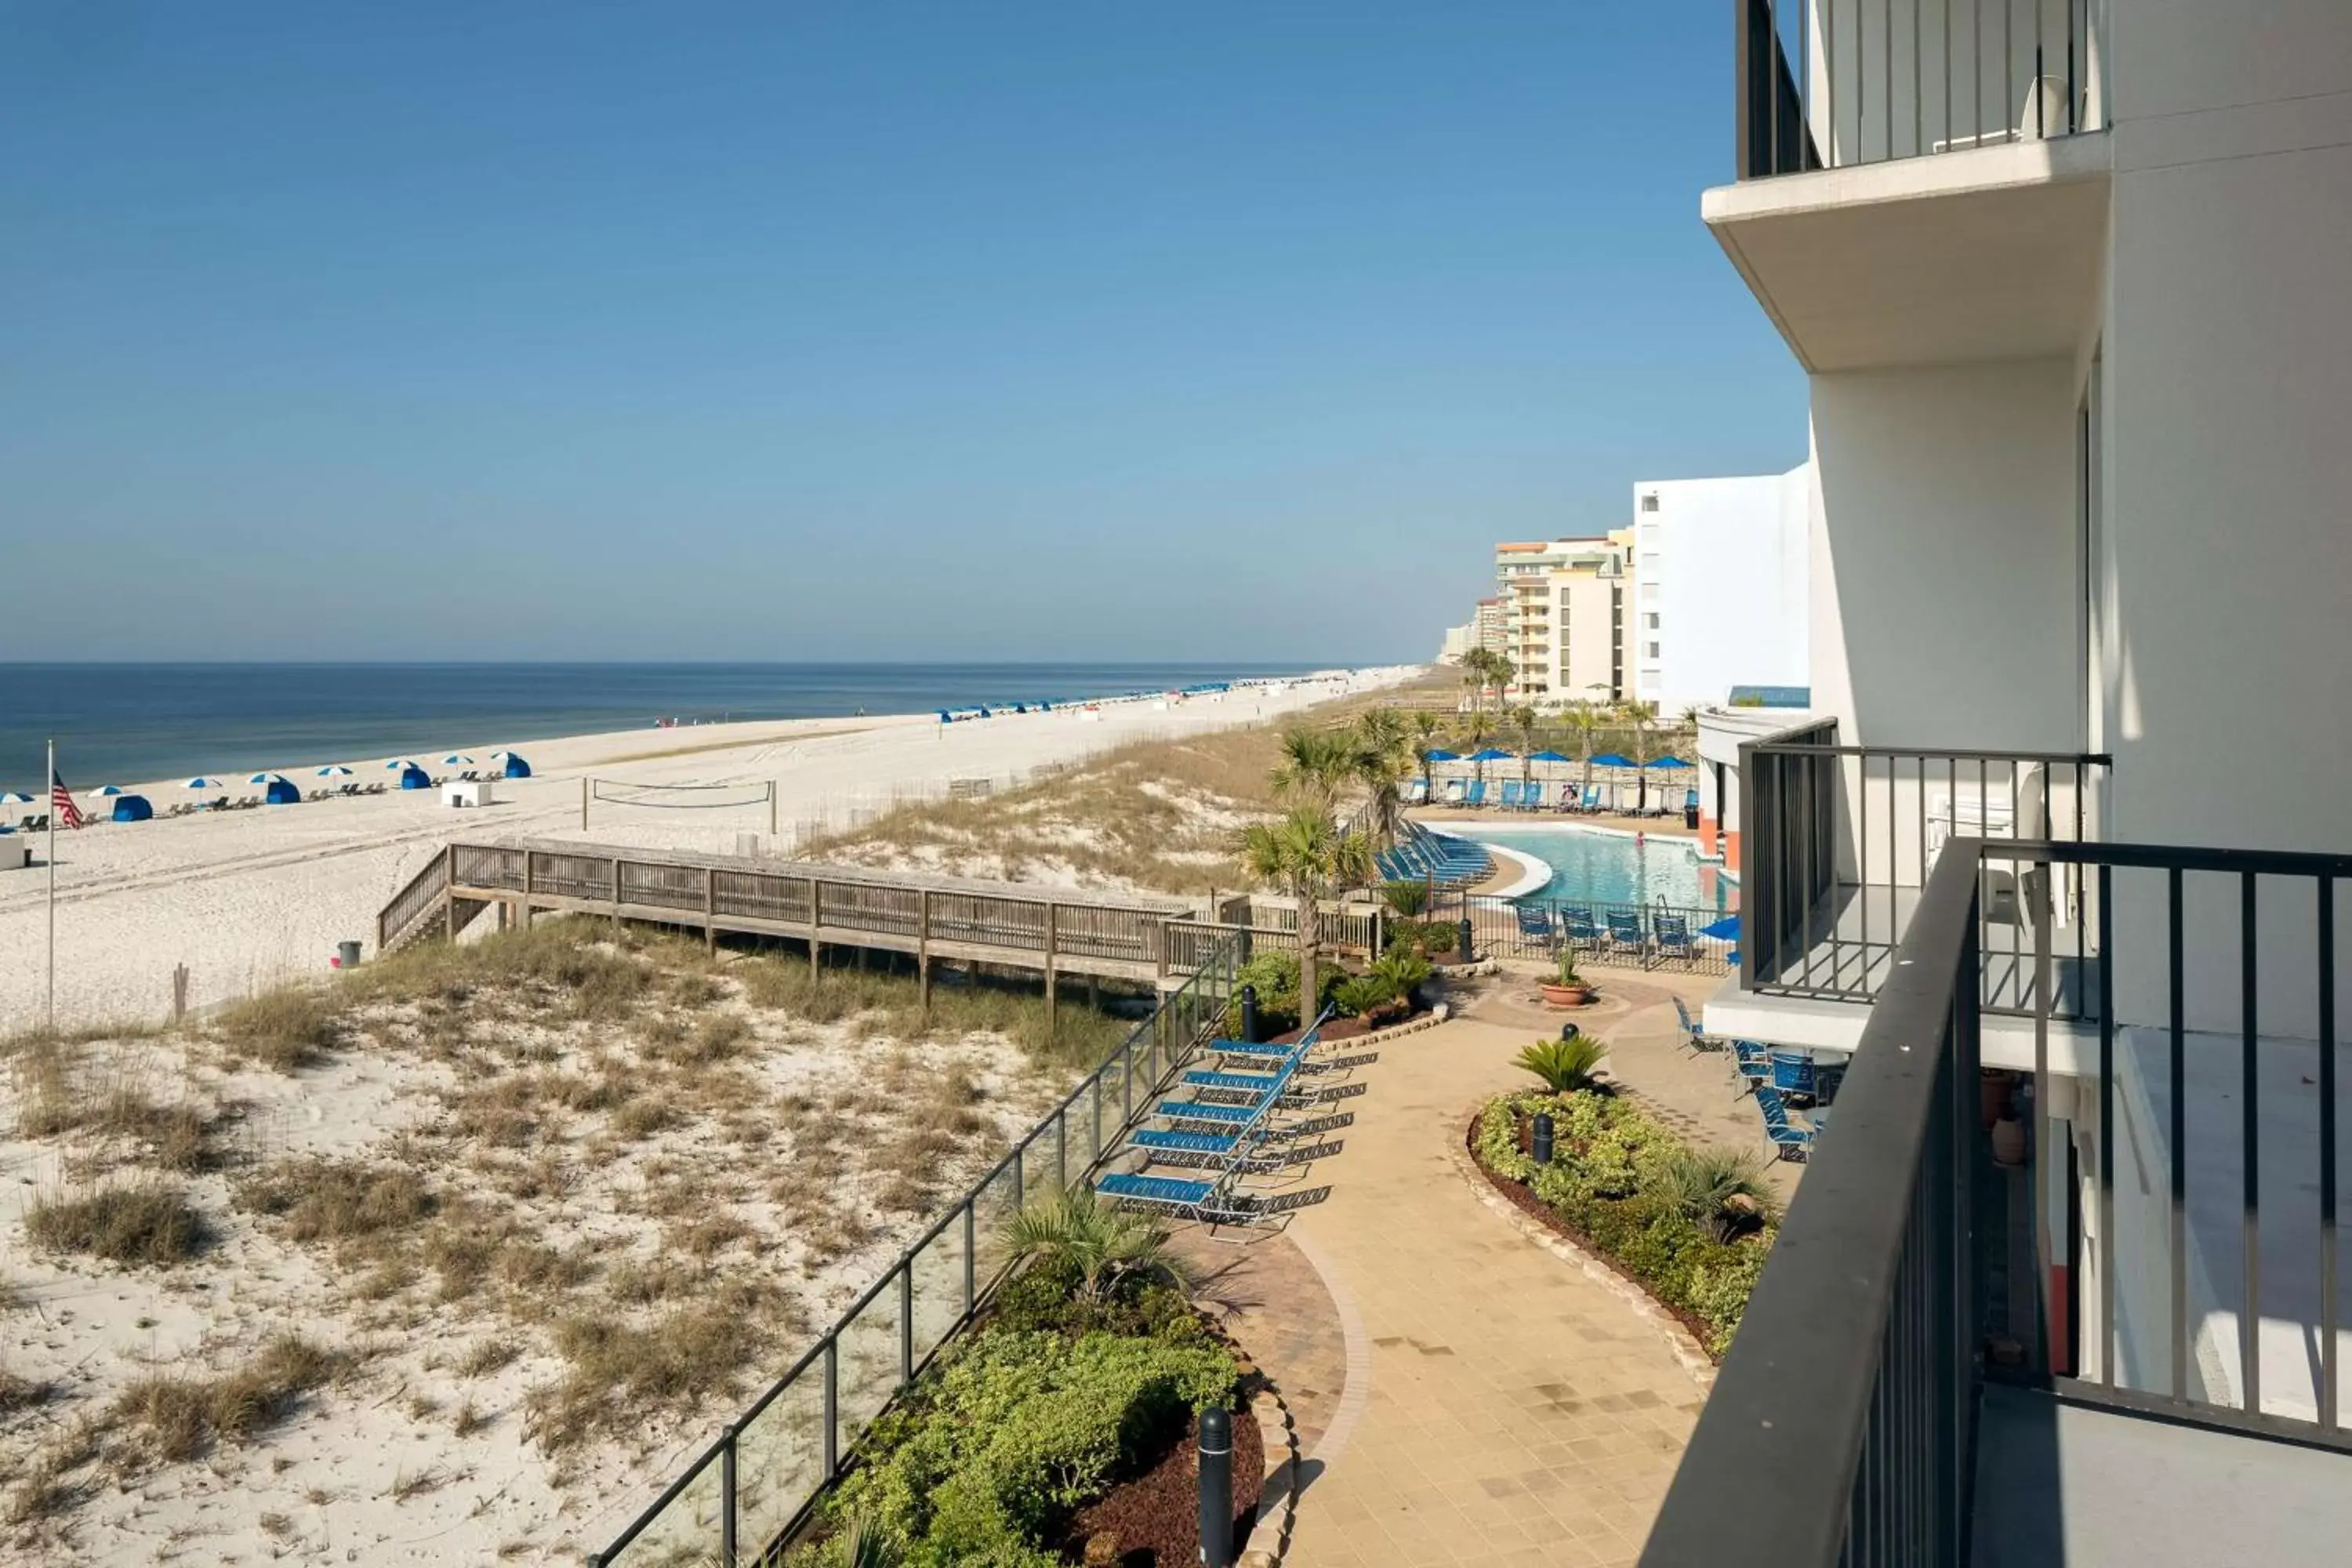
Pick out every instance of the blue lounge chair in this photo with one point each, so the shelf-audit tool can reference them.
(1254, 1084)
(1579, 927)
(1454, 790)
(1533, 799)
(1536, 925)
(1511, 792)
(1625, 933)
(1477, 796)
(1792, 1073)
(1673, 932)
(1591, 799)
(1416, 793)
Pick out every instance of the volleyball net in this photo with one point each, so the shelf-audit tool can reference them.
(751, 795)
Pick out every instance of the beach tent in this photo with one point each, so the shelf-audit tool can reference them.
(283, 792)
(513, 763)
(132, 808)
(413, 777)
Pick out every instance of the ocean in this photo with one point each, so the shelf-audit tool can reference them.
(128, 723)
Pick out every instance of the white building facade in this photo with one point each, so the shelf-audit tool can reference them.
(1721, 586)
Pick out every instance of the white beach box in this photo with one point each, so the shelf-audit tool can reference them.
(466, 791)
(15, 854)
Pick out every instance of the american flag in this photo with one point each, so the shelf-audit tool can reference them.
(61, 805)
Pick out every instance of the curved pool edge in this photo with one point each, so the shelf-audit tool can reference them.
(1533, 873)
(1458, 828)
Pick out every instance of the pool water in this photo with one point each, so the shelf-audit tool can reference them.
(1607, 869)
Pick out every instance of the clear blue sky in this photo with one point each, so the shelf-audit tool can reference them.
(567, 329)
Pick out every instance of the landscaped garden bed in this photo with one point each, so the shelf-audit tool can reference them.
(1060, 1429)
(1691, 1226)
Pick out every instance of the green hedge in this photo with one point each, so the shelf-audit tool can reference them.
(1605, 1150)
(992, 1450)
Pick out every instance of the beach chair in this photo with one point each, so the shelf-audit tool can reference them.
(1755, 1065)
(1789, 1142)
(1583, 933)
(1625, 935)
(1674, 937)
(1536, 927)
(1417, 792)
(1533, 799)
(1588, 802)
(1512, 792)
(1477, 796)
(1454, 789)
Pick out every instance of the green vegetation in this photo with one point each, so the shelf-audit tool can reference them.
(136, 1222)
(1566, 1067)
(1075, 1233)
(1693, 1227)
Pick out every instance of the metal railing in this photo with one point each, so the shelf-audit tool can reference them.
(1832, 83)
(1838, 841)
(1618, 935)
(2160, 1238)
(756, 1483)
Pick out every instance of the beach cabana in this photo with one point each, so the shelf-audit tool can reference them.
(413, 777)
(282, 791)
(132, 808)
(513, 763)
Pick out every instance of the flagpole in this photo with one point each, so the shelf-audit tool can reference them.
(53, 887)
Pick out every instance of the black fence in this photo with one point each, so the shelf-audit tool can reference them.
(1832, 83)
(2141, 1218)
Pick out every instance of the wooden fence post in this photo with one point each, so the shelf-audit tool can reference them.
(923, 951)
(710, 909)
(1053, 996)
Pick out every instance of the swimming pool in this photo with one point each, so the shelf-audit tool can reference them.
(1614, 868)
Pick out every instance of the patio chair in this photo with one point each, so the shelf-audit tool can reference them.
(1674, 937)
(1625, 933)
(1700, 1040)
(1792, 1073)
(1789, 1142)
(1513, 791)
(1755, 1064)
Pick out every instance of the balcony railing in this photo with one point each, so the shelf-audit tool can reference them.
(1838, 842)
(1832, 83)
(2157, 1239)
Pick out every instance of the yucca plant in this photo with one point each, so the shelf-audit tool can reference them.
(1101, 1244)
(1721, 1191)
(1400, 969)
(1565, 1065)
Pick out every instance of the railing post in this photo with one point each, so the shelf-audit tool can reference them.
(923, 952)
(971, 1260)
(727, 1553)
(616, 894)
(832, 1408)
(710, 909)
(450, 888)
(906, 1320)
(1052, 996)
(816, 923)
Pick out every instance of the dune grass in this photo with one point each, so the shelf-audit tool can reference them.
(168, 1419)
(140, 1222)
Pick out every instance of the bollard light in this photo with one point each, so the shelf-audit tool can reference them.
(1249, 1015)
(1543, 1138)
(1462, 939)
(1216, 1488)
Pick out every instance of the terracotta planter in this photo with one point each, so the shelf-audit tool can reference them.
(1994, 1087)
(1567, 996)
(2009, 1141)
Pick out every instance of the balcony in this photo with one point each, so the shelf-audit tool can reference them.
(1917, 180)
(2112, 1339)
(1839, 842)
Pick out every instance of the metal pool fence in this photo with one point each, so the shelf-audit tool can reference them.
(752, 1487)
(1641, 936)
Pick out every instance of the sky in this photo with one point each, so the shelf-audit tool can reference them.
(562, 328)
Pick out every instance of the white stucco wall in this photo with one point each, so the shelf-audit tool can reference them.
(1728, 560)
(1945, 592)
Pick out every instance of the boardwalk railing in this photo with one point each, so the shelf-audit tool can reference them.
(408, 906)
(756, 1484)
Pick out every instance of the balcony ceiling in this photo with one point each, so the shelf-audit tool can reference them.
(1992, 253)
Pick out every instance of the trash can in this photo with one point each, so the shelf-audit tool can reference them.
(1690, 817)
(347, 956)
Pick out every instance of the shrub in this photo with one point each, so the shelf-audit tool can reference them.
(1361, 994)
(178, 1419)
(291, 1027)
(1401, 969)
(1565, 1065)
(130, 1222)
(1439, 940)
(1721, 1191)
(997, 1446)
(1406, 897)
(1625, 1184)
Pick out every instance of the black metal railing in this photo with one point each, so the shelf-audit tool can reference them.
(1832, 83)
(1837, 843)
(2139, 1217)
(1656, 935)
(1842, 1428)
(749, 1490)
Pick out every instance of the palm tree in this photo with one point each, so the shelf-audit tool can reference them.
(1381, 748)
(1522, 720)
(1586, 720)
(1098, 1242)
(1641, 715)
(1315, 764)
(1302, 854)
(1426, 726)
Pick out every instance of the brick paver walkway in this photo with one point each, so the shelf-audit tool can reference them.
(1499, 1407)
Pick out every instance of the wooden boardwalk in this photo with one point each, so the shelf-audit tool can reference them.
(1056, 931)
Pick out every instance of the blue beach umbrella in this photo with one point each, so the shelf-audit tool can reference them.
(1442, 756)
(1725, 929)
(1492, 754)
(1667, 763)
(1611, 760)
(202, 784)
(15, 797)
(337, 771)
(1546, 757)
(109, 790)
(457, 760)
(265, 778)
(400, 764)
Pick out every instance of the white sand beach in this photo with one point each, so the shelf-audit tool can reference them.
(248, 898)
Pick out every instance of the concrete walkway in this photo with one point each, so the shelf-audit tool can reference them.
(1498, 1406)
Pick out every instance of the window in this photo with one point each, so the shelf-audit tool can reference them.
(1650, 503)
(1652, 620)
(1654, 650)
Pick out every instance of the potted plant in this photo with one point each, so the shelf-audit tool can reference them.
(1572, 989)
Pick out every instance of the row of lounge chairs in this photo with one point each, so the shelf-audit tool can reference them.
(1643, 935)
(1537, 794)
(1421, 855)
(1238, 1125)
